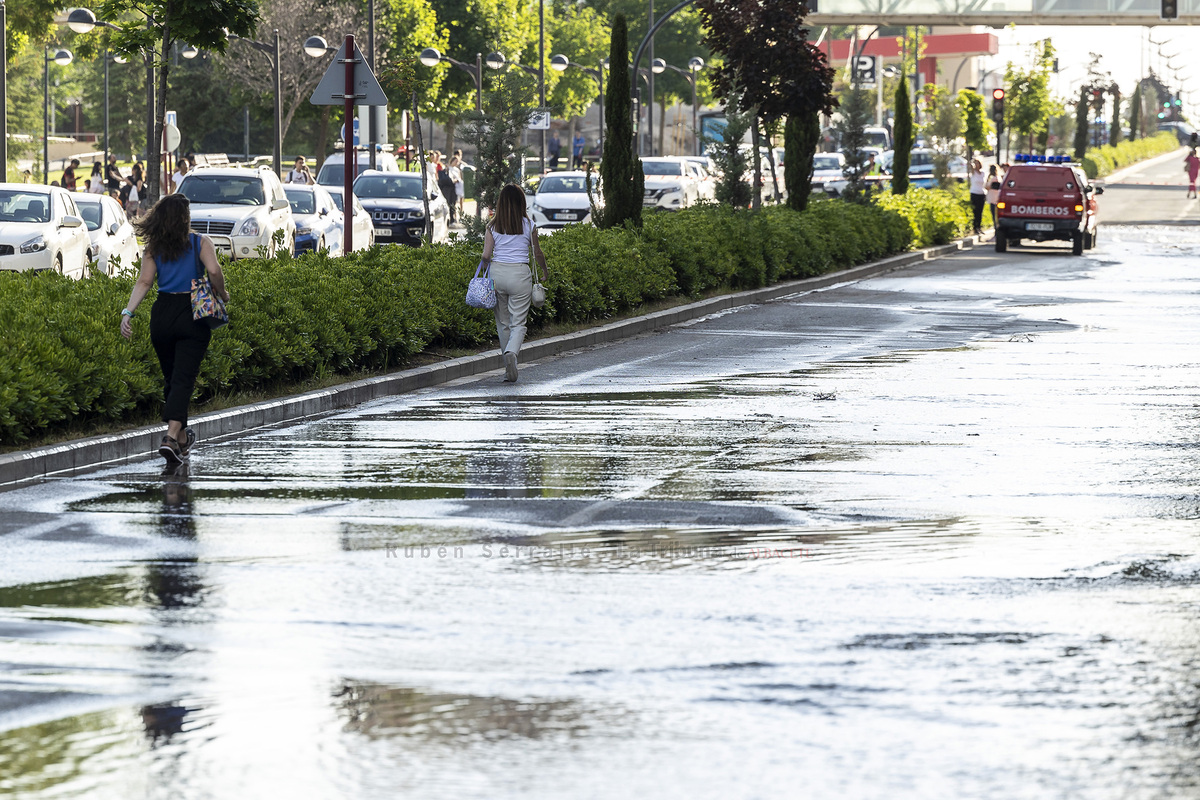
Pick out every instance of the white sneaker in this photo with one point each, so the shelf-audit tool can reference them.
(510, 367)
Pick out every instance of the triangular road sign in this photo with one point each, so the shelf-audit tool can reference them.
(331, 91)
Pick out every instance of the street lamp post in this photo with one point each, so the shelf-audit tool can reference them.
(560, 62)
(119, 60)
(62, 58)
(4, 88)
(430, 57)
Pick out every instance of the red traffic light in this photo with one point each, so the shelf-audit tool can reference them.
(997, 94)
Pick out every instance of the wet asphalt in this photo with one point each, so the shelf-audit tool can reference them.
(929, 535)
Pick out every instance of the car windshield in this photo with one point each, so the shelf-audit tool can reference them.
(337, 200)
(223, 190)
(554, 183)
(17, 206)
(876, 138)
(402, 187)
(335, 174)
(661, 168)
(302, 202)
(826, 162)
(91, 213)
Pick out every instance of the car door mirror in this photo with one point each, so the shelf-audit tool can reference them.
(69, 221)
(113, 227)
(323, 212)
(278, 204)
(1099, 189)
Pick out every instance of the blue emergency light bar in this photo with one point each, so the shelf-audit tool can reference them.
(1029, 158)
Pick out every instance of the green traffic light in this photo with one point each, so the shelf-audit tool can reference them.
(1162, 115)
(1178, 102)
(1167, 104)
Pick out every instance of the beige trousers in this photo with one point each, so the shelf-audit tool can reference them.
(514, 292)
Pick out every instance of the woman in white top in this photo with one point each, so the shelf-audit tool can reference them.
(456, 175)
(993, 190)
(506, 245)
(976, 181)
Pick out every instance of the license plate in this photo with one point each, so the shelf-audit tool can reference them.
(383, 231)
(566, 216)
(1039, 226)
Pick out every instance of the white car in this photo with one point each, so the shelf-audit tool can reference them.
(669, 183)
(364, 230)
(240, 210)
(332, 174)
(40, 228)
(393, 200)
(114, 245)
(829, 173)
(706, 185)
(562, 199)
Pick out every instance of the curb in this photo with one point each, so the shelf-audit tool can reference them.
(138, 443)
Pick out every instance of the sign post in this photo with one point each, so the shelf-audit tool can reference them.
(353, 84)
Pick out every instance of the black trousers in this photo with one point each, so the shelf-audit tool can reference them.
(180, 343)
(977, 203)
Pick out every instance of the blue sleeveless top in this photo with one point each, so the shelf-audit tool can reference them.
(175, 276)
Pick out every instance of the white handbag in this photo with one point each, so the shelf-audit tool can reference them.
(539, 295)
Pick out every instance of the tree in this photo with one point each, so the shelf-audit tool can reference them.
(1081, 122)
(1135, 113)
(857, 110)
(620, 168)
(1028, 105)
(947, 121)
(976, 125)
(1115, 133)
(203, 23)
(582, 34)
(497, 134)
(801, 133)
(300, 73)
(903, 130)
(730, 158)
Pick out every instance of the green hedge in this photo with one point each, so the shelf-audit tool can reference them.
(63, 360)
(936, 216)
(1101, 161)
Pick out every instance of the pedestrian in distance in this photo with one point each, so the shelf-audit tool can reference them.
(577, 146)
(181, 169)
(454, 168)
(174, 257)
(1191, 165)
(26, 176)
(445, 185)
(460, 186)
(975, 184)
(96, 180)
(137, 183)
(68, 177)
(299, 173)
(993, 191)
(112, 176)
(554, 148)
(507, 243)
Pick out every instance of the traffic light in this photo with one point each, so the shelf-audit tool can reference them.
(1169, 9)
(998, 106)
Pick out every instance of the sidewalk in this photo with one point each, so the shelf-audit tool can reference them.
(95, 451)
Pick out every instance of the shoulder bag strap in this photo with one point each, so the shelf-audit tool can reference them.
(196, 242)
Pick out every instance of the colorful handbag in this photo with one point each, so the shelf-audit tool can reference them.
(206, 306)
(481, 291)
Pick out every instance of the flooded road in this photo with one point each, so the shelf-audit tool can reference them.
(930, 535)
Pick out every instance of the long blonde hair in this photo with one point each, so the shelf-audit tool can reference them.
(510, 211)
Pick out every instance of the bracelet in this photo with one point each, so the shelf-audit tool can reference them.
(125, 312)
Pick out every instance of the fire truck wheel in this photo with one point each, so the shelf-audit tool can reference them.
(1077, 244)
(1001, 243)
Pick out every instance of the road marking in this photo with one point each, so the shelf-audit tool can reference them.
(1188, 210)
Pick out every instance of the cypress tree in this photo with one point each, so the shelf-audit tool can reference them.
(1081, 122)
(620, 168)
(902, 153)
(1115, 133)
(1135, 113)
(801, 133)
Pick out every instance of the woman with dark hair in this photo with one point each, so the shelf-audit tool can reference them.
(506, 245)
(97, 179)
(175, 257)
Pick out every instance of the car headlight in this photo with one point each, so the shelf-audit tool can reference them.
(303, 231)
(537, 207)
(35, 245)
(249, 228)
(416, 215)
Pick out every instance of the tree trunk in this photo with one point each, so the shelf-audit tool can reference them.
(424, 172)
(451, 125)
(323, 135)
(154, 160)
(571, 141)
(756, 190)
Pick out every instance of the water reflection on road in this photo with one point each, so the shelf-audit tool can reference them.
(931, 535)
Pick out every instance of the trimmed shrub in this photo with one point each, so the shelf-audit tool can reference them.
(1101, 161)
(935, 216)
(62, 358)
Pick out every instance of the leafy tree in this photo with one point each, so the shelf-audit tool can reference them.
(497, 133)
(801, 133)
(903, 135)
(1028, 105)
(947, 121)
(203, 23)
(1115, 133)
(1135, 113)
(857, 110)
(1081, 122)
(620, 169)
(729, 156)
(581, 34)
(976, 125)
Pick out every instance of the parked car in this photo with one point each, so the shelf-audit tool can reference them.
(706, 177)
(41, 228)
(562, 199)
(829, 174)
(878, 137)
(364, 231)
(240, 209)
(112, 237)
(669, 183)
(318, 220)
(920, 167)
(397, 211)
